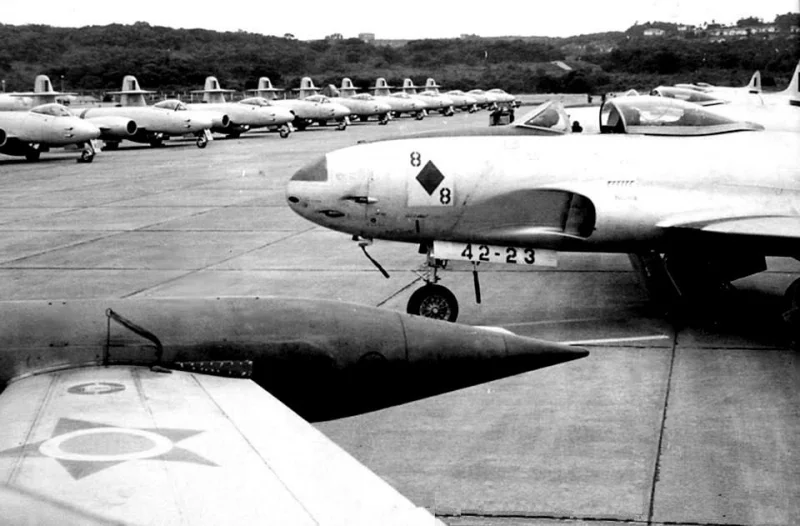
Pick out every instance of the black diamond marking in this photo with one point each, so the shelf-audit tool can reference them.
(430, 177)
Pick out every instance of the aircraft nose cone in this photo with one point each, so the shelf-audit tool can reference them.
(283, 114)
(340, 111)
(86, 130)
(305, 186)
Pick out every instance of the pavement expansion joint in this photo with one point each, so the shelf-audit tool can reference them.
(659, 446)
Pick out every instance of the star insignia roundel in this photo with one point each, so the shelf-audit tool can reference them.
(84, 448)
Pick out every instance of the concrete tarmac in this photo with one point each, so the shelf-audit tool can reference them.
(683, 423)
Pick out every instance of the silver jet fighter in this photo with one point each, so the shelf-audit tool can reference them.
(43, 93)
(29, 133)
(362, 107)
(461, 100)
(154, 125)
(306, 112)
(194, 411)
(397, 106)
(400, 102)
(440, 103)
(243, 117)
(715, 196)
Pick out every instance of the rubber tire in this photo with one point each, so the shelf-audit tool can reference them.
(283, 132)
(201, 142)
(420, 303)
(86, 157)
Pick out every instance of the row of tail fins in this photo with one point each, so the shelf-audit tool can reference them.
(132, 95)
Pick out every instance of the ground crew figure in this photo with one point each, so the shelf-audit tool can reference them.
(576, 127)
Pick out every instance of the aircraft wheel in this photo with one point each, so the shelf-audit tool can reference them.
(383, 119)
(87, 156)
(433, 301)
(32, 155)
(419, 115)
(201, 142)
(284, 131)
(342, 126)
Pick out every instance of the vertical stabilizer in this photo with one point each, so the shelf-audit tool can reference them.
(212, 92)
(381, 87)
(793, 91)
(755, 83)
(307, 88)
(265, 89)
(409, 87)
(131, 94)
(43, 92)
(430, 85)
(348, 90)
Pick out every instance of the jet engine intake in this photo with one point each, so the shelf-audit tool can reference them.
(3, 137)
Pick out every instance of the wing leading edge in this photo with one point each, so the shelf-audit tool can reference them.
(148, 447)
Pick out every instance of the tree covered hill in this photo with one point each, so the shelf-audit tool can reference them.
(95, 58)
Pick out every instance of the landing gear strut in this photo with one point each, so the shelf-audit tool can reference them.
(432, 300)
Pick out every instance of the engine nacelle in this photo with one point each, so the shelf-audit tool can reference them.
(3, 137)
(114, 126)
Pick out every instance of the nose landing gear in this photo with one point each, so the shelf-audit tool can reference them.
(433, 300)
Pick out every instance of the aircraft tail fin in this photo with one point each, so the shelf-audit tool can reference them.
(42, 93)
(131, 94)
(212, 92)
(42, 84)
(431, 85)
(265, 89)
(409, 87)
(307, 88)
(348, 90)
(793, 91)
(754, 86)
(381, 87)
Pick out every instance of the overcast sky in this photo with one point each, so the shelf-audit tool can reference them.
(311, 19)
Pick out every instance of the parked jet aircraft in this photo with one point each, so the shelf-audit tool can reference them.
(705, 201)
(434, 102)
(30, 133)
(775, 111)
(154, 125)
(43, 93)
(179, 411)
(363, 107)
(401, 102)
(306, 111)
(461, 100)
(243, 117)
(485, 100)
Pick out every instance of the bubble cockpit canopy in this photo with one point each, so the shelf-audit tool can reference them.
(256, 101)
(689, 95)
(647, 115)
(171, 104)
(549, 116)
(363, 96)
(53, 109)
(322, 99)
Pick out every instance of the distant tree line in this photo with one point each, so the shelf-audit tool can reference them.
(95, 58)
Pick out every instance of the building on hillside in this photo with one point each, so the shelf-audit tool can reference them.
(654, 32)
(369, 38)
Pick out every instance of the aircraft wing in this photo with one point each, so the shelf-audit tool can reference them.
(145, 447)
(783, 226)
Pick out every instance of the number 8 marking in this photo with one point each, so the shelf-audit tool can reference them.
(444, 196)
(416, 159)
